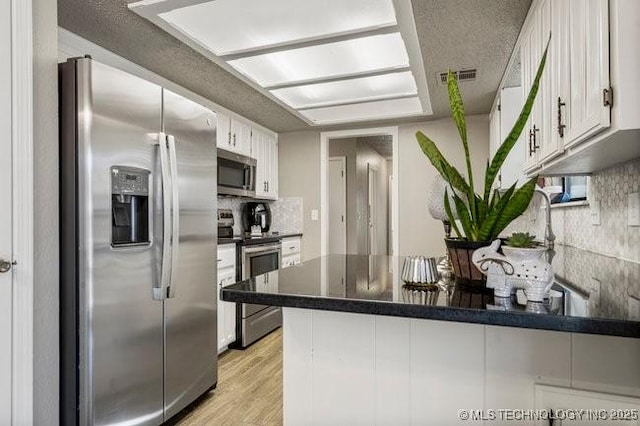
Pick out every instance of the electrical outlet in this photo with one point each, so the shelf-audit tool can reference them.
(594, 209)
(633, 209)
(314, 214)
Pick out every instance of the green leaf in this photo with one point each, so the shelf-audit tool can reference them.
(487, 226)
(508, 144)
(516, 205)
(446, 170)
(465, 218)
(457, 111)
(452, 220)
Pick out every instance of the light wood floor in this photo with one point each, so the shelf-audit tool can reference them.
(249, 391)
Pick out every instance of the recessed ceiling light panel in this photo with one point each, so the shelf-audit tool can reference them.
(348, 91)
(364, 111)
(229, 26)
(326, 60)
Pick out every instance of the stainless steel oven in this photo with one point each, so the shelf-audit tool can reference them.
(256, 321)
(236, 174)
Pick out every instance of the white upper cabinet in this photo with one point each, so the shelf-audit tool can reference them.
(501, 121)
(587, 113)
(234, 135)
(587, 57)
(241, 137)
(265, 149)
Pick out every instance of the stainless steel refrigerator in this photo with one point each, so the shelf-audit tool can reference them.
(138, 247)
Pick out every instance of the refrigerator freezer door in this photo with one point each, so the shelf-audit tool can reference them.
(190, 311)
(120, 324)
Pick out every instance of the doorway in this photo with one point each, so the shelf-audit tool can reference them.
(358, 211)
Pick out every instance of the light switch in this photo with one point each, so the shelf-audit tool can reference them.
(594, 208)
(314, 214)
(633, 209)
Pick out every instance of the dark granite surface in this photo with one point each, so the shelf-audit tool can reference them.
(247, 240)
(593, 294)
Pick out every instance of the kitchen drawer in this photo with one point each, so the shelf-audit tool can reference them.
(226, 256)
(291, 246)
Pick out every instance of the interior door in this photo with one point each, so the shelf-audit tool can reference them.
(6, 252)
(372, 208)
(190, 313)
(337, 206)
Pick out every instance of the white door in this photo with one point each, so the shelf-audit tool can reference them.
(372, 209)
(223, 134)
(513, 166)
(6, 281)
(589, 68)
(337, 205)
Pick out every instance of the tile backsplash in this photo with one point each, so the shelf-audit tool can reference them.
(286, 213)
(572, 225)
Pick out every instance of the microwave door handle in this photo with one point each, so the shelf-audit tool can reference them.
(159, 290)
(248, 174)
(175, 216)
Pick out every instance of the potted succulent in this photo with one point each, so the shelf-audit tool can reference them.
(481, 217)
(522, 247)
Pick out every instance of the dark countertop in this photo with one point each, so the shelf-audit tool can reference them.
(246, 240)
(594, 294)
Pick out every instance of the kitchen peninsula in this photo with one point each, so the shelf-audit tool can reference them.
(362, 348)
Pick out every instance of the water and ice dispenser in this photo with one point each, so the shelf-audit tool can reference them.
(129, 206)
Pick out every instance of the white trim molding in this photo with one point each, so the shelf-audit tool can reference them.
(23, 213)
(324, 180)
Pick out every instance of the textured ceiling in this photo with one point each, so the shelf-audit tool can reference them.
(457, 34)
(383, 144)
(452, 33)
(110, 24)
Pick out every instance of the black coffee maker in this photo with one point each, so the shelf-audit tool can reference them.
(256, 218)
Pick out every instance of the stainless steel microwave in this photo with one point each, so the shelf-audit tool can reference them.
(236, 174)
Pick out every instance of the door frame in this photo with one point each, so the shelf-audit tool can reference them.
(324, 180)
(23, 210)
(343, 161)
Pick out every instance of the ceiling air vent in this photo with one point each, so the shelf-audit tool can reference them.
(460, 75)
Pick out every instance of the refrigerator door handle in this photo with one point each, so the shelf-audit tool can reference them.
(160, 291)
(175, 216)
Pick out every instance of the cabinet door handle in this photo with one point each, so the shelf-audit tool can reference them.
(267, 186)
(234, 139)
(229, 138)
(533, 146)
(560, 125)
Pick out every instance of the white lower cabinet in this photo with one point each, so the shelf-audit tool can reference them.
(226, 310)
(291, 249)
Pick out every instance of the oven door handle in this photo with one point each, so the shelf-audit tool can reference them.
(262, 249)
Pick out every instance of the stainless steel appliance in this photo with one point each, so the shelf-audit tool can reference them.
(236, 174)
(256, 218)
(256, 321)
(138, 243)
(225, 223)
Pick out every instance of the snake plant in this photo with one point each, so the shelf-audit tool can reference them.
(482, 217)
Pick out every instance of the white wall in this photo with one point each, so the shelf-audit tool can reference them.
(299, 176)
(45, 143)
(418, 232)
